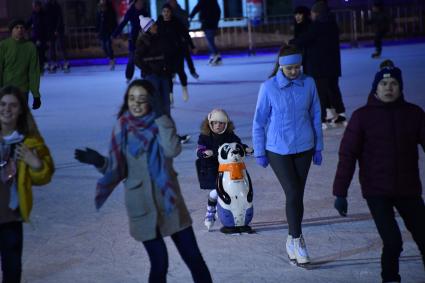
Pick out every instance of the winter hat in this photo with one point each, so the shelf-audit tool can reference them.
(387, 72)
(302, 10)
(16, 22)
(320, 8)
(145, 23)
(218, 115)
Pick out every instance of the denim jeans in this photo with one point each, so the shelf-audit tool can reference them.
(11, 239)
(210, 36)
(188, 249)
(162, 87)
(107, 47)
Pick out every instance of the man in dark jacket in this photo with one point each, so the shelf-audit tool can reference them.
(106, 22)
(209, 15)
(384, 136)
(37, 25)
(323, 61)
(136, 9)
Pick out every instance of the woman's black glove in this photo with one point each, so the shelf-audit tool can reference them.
(341, 205)
(157, 105)
(90, 156)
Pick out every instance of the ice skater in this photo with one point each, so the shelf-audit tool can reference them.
(143, 145)
(216, 129)
(25, 161)
(287, 133)
(383, 136)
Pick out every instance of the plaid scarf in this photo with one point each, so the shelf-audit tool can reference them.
(137, 134)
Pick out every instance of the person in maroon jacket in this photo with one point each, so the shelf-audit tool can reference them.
(383, 136)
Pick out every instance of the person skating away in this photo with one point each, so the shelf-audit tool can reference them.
(287, 133)
(25, 162)
(137, 9)
(383, 137)
(56, 37)
(106, 22)
(38, 28)
(302, 23)
(381, 24)
(216, 129)
(141, 152)
(183, 17)
(150, 57)
(19, 65)
(174, 37)
(209, 15)
(320, 45)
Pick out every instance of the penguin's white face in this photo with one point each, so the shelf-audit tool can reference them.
(230, 153)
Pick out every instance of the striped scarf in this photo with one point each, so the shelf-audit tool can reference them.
(137, 134)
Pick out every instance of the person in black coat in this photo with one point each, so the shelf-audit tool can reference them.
(209, 15)
(323, 62)
(37, 24)
(383, 137)
(137, 9)
(55, 35)
(380, 23)
(106, 22)
(302, 22)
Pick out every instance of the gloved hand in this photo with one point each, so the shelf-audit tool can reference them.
(156, 103)
(317, 158)
(208, 153)
(249, 150)
(262, 160)
(90, 156)
(341, 205)
(36, 103)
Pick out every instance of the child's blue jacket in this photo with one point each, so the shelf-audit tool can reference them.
(287, 117)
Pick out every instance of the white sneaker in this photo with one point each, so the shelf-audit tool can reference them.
(301, 254)
(185, 94)
(290, 248)
(210, 217)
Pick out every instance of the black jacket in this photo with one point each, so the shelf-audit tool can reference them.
(150, 55)
(321, 48)
(209, 13)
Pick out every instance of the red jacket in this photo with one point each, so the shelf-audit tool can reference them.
(384, 138)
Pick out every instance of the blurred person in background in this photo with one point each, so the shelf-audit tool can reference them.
(106, 22)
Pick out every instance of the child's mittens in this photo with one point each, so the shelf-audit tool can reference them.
(249, 150)
(208, 153)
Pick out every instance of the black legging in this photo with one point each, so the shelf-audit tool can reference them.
(291, 170)
(330, 95)
(11, 241)
(185, 242)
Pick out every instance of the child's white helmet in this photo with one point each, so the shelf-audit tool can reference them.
(218, 115)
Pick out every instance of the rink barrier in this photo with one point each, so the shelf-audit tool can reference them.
(271, 31)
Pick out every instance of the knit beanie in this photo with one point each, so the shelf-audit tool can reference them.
(15, 23)
(387, 72)
(145, 23)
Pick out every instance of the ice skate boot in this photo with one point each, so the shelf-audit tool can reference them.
(184, 139)
(301, 254)
(112, 64)
(171, 100)
(185, 94)
(340, 120)
(330, 115)
(376, 55)
(290, 249)
(216, 60)
(194, 74)
(66, 67)
(52, 68)
(210, 217)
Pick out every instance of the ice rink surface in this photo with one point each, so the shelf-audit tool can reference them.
(69, 242)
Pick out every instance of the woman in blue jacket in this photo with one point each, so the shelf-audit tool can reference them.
(287, 132)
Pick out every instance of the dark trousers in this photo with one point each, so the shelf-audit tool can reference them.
(291, 170)
(412, 211)
(11, 242)
(189, 61)
(330, 95)
(57, 43)
(210, 36)
(162, 87)
(378, 41)
(41, 52)
(180, 72)
(106, 43)
(188, 249)
(129, 69)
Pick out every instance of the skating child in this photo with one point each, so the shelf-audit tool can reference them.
(216, 129)
(287, 132)
(383, 136)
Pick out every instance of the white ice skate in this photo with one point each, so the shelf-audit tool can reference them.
(210, 217)
(290, 249)
(301, 254)
(185, 93)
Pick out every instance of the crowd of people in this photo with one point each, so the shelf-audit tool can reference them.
(299, 100)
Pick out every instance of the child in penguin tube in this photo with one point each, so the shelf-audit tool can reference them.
(216, 129)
